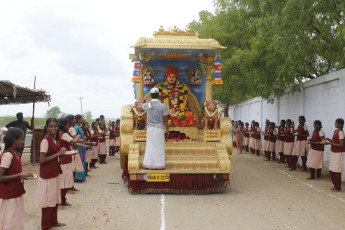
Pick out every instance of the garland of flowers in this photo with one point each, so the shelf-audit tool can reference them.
(136, 111)
(208, 113)
(180, 95)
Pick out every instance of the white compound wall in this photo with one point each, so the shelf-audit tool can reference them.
(321, 99)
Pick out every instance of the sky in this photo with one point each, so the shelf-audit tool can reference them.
(81, 48)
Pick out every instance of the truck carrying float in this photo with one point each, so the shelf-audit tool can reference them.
(199, 144)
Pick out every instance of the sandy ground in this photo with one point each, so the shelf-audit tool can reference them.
(261, 196)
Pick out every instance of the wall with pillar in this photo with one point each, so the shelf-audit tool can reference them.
(321, 99)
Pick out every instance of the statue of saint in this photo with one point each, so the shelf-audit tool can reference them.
(173, 94)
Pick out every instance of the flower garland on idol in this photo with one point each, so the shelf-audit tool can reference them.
(208, 112)
(178, 99)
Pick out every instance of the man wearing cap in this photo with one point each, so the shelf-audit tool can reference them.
(155, 140)
(21, 124)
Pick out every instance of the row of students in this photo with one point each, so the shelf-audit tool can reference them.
(281, 139)
(56, 170)
(114, 137)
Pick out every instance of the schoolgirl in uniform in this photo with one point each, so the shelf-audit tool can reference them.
(102, 143)
(301, 146)
(117, 136)
(336, 162)
(48, 190)
(77, 162)
(11, 182)
(267, 138)
(289, 142)
(66, 163)
(273, 138)
(94, 144)
(246, 134)
(280, 142)
(232, 133)
(112, 139)
(87, 138)
(315, 155)
(251, 139)
(237, 136)
(257, 138)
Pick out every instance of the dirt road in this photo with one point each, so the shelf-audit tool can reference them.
(261, 196)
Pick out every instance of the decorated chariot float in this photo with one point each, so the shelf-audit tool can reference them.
(181, 65)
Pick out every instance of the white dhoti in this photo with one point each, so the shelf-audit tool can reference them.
(155, 149)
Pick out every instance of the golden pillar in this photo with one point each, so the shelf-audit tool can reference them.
(208, 82)
(140, 90)
(208, 60)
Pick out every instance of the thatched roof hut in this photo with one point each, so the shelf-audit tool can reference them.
(15, 94)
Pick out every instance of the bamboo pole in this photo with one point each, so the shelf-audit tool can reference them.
(33, 146)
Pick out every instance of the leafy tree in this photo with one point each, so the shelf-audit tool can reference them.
(88, 115)
(53, 112)
(273, 45)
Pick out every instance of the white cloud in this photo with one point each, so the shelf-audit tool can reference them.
(80, 48)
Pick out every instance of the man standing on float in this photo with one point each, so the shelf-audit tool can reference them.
(155, 140)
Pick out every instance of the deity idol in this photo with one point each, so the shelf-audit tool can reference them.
(173, 94)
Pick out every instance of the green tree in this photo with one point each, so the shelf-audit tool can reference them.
(88, 115)
(53, 112)
(273, 45)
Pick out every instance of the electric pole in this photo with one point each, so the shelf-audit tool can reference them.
(81, 105)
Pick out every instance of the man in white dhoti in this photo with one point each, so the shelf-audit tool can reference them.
(155, 140)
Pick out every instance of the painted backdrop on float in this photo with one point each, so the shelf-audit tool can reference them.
(183, 67)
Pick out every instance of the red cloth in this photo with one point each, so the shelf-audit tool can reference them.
(187, 122)
(125, 173)
(246, 132)
(103, 137)
(111, 133)
(52, 168)
(295, 159)
(171, 70)
(282, 158)
(176, 134)
(316, 138)
(15, 188)
(49, 217)
(181, 184)
(301, 131)
(272, 137)
(256, 135)
(87, 137)
(281, 131)
(312, 173)
(63, 195)
(336, 180)
(289, 160)
(93, 163)
(95, 139)
(290, 138)
(65, 144)
(336, 140)
(267, 131)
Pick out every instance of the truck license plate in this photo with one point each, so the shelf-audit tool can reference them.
(158, 177)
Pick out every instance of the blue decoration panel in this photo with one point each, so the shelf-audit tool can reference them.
(183, 67)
